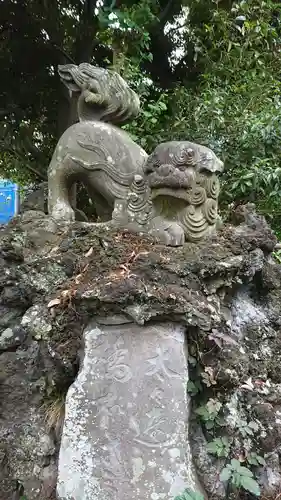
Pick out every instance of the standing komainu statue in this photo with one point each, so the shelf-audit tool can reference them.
(171, 194)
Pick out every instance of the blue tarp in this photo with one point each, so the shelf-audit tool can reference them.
(9, 200)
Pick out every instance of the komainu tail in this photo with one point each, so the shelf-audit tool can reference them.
(104, 94)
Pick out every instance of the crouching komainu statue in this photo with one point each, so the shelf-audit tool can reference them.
(171, 194)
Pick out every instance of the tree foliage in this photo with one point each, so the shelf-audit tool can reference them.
(206, 70)
(236, 109)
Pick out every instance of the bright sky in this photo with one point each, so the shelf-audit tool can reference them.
(176, 30)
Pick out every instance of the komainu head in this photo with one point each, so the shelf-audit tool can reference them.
(104, 93)
(184, 185)
(176, 166)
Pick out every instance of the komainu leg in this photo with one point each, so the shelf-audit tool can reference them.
(166, 232)
(61, 177)
(102, 207)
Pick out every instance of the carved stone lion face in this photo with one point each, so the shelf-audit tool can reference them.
(107, 91)
(174, 167)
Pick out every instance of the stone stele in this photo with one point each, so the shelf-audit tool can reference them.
(125, 435)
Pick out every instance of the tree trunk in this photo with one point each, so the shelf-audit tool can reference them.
(67, 110)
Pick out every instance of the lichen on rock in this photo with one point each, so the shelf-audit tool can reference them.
(225, 291)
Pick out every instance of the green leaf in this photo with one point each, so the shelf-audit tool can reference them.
(255, 459)
(225, 474)
(225, 441)
(209, 424)
(248, 183)
(203, 412)
(220, 421)
(235, 463)
(162, 106)
(260, 460)
(190, 495)
(212, 447)
(250, 485)
(219, 447)
(191, 387)
(244, 471)
(236, 479)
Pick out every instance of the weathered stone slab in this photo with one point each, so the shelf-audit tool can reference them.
(124, 434)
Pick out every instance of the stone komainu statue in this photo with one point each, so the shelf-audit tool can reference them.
(171, 194)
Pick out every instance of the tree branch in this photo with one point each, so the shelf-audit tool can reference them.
(165, 12)
(62, 52)
(90, 7)
(30, 147)
(29, 167)
(176, 28)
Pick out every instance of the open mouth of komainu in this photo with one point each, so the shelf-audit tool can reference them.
(189, 200)
(182, 177)
(172, 182)
(167, 204)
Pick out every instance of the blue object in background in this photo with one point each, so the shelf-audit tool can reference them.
(9, 200)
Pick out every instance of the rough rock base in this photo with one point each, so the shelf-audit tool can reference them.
(226, 292)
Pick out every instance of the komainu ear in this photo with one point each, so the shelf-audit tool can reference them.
(69, 76)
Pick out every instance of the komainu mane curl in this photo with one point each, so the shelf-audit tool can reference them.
(104, 95)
